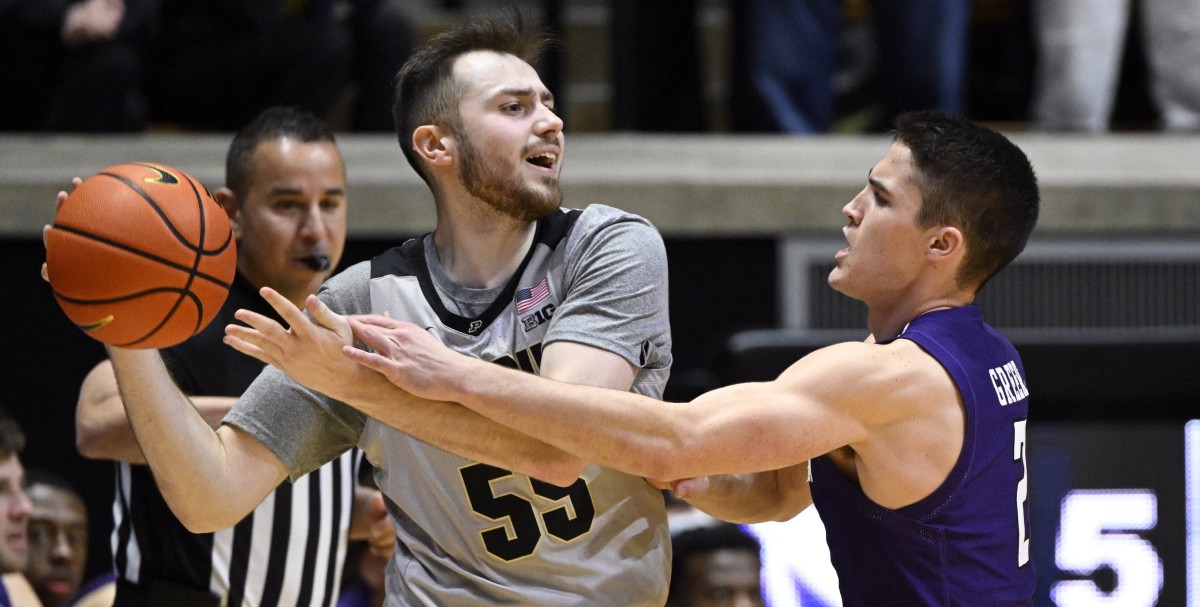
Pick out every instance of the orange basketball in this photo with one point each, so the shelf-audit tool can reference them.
(140, 256)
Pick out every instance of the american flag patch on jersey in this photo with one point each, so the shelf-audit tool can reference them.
(532, 296)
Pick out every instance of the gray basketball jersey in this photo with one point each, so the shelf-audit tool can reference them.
(473, 534)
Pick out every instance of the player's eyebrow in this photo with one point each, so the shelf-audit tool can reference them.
(877, 184)
(546, 96)
(295, 191)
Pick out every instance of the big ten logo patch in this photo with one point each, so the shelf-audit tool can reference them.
(538, 318)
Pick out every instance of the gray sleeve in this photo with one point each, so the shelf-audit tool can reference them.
(303, 428)
(616, 287)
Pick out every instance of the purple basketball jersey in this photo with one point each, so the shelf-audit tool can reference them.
(967, 543)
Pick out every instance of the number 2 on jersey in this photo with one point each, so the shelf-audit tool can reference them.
(522, 514)
(1022, 491)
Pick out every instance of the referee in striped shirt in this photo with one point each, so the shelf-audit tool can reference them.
(286, 197)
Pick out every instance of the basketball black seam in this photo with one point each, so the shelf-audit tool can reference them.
(183, 293)
(143, 254)
(120, 298)
(167, 317)
(198, 250)
(192, 272)
(199, 256)
(157, 209)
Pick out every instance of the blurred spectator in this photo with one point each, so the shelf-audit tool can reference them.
(786, 58)
(715, 565)
(218, 63)
(382, 37)
(1080, 44)
(58, 543)
(657, 83)
(14, 517)
(73, 65)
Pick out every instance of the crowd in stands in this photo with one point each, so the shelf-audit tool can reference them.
(821, 66)
(105, 66)
(111, 66)
(126, 65)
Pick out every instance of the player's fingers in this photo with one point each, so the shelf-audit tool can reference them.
(357, 322)
(62, 195)
(691, 487)
(248, 349)
(323, 315)
(285, 308)
(366, 333)
(369, 360)
(45, 242)
(382, 538)
(270, 341)
(252, 338)
(368, 336)
(257, 322)
(377, 320)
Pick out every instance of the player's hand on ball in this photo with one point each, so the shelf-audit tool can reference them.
(139, 255)
(58, 202)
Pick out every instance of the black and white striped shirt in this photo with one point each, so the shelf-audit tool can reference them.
(289, 551)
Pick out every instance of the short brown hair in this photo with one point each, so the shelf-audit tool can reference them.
(425, 90)
(975, 179)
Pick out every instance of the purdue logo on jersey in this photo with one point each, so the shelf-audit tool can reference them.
(538, 318)
(474, 327)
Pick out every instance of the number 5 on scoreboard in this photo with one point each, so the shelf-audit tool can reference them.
(1098, 529)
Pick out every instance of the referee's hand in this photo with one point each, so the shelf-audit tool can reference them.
(381, 536)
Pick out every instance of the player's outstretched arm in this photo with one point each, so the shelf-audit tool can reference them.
(810, 410)
(211, 479)
(773, 495)
(102, 429)
(309, 350)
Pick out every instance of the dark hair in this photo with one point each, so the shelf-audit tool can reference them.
(977, 180)
(273, 123)
(12, 439)
(701, 540)
(425, 89)
(41, 476)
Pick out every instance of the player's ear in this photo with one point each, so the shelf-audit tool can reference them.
(946, 241)
(232, 205)
(434, 144)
